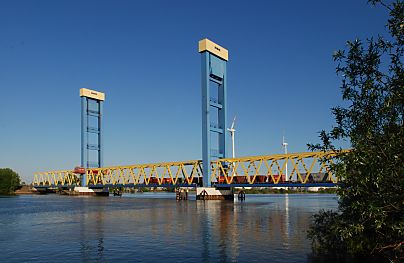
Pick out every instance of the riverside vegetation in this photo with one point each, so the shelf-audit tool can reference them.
(9, 181)
(369, 223)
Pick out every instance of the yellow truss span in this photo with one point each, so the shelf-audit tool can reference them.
(272, 168)
(247, 170)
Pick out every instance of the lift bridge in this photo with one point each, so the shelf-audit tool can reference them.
(307, 169)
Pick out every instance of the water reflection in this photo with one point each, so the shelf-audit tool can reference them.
(262, 228)
(252, 226)
(91, 224)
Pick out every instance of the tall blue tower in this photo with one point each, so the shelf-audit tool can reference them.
(91, 130)
(214, 104)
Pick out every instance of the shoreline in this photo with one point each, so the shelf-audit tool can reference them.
(26, 190)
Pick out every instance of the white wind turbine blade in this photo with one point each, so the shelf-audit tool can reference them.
(232, 125)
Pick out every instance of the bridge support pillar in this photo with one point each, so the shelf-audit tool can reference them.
(212, 193)
(91, 130)
(88, 191)
(214, 104)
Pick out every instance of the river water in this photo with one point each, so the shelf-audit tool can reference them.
(154, 227)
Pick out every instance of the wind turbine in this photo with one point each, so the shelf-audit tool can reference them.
(232, 132)
(285, 147)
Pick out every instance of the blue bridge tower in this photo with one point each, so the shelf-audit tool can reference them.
(91, 130)
(214, 104)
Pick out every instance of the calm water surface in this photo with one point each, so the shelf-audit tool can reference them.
(153, 227)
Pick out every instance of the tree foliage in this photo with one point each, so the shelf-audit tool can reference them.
(9, 181)
(370, 218)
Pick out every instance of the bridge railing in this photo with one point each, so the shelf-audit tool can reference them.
(302, 168)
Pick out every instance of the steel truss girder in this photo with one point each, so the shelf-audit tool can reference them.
(224, 172)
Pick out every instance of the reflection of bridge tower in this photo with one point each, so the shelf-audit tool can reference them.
(214, 104)
(91, 130)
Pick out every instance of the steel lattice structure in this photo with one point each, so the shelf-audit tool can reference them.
(309, 169)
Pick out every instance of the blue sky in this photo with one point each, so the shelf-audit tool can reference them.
(143, 55)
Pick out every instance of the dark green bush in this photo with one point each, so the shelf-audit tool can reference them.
(9, 181)
(370, 220)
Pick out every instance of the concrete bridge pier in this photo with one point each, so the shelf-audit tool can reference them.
(212, 193)
(79, 190)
